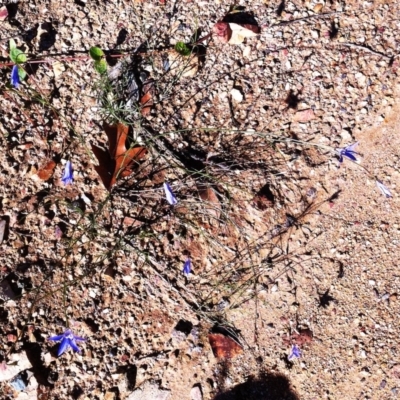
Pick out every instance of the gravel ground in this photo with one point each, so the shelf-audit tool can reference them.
(286, 246)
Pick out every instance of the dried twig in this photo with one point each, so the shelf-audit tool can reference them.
(324, 15)
(366, 49)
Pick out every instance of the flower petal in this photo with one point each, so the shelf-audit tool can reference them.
(187, 267)
(169, 194)
(63, 346)
(15, 77)
(79, 339)
(67, 177)
(74, 346)
(385, 191)
(294, 353)
(350, 154)
(58, 337)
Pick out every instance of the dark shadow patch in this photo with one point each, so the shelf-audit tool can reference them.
(77, 392)
(333, 32)
(325, 299)
(292, 100)
(264, 198)
(79, 3)
(280, 8)
(41, 373)
(92, 325)
(266, 386)
(12, 10)
(47, 37)
(122, 35)
(184, 326)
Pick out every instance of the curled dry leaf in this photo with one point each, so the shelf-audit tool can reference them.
(224, 346)
(117, 161)
(240, 32)
(222, 31)
(46, 172)
(183, 66)
(233, 33)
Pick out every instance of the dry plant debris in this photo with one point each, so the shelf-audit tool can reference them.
(118, 161)
(277, 221)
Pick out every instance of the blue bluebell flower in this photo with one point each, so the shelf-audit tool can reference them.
(187, 267)
(294, 353)
(348, 151)
(15, 81)
(383, 189)
(67, 177)
(169, 194)
(68, 339)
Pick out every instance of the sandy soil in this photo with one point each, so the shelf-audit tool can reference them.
(287, 247)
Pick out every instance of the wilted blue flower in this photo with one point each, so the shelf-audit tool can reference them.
(294, 353)
(68, 339)
(169, 194)
(384, 189)
(15, 81)
(67, 177)
(187, 267)
(348, 152)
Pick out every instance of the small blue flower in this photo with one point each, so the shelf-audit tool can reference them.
(67, 177)
(348, 152)
(15, 81)
(187, 267)
(384, 189)
(294, 353)
(169, 194)
(68, 339)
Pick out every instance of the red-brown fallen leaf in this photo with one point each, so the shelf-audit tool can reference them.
(304, 115)
(222, 31)
(46, 172)
(3, 13)
(224, 346)
(117, 161)
(147, 99)
(303, 336)
(207, 194)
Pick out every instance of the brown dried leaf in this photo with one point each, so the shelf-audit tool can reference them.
(117, 161)
(303, 337)
(208, 195)
(183, 66)
(224, 346)
(304, 115)
(47, 171)
(147, 99)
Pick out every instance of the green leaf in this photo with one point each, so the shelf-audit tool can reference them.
(96, 53)
(13, 45)
(17, 56)
(21, 74)
(100, 66)
(183, 49)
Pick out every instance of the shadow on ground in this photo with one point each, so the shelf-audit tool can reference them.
(266, 387)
